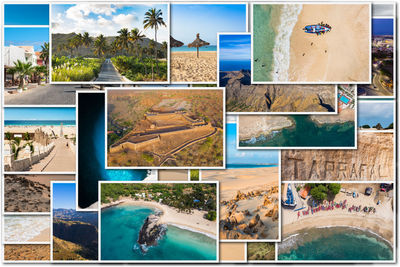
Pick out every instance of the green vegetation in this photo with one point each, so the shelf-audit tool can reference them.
(390, 126)
(137, 69)
(194, 175)
(184, 197)
(261, 251)
(148, 157)
(365, 126)
(75, 69)
(133, 55)
(321, 192)
(211, 215)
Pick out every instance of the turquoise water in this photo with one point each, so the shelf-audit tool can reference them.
(246, 166)
(185, 48)
(38, 122)
(120, 228)
(264, 33)
(335, 243)
(307, 133)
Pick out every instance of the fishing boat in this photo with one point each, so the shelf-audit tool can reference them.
(317, 29)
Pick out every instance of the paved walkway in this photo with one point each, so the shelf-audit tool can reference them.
(49, 94)
(60, 159)
(108, 73)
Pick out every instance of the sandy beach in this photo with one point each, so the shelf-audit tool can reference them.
(68, 130)
(194, 221)
(248, 195)
(332, 56)
(44, 236)
(186, 67)
(27, 252)
(232, 251)
(172, 175)
(380, 222)
(254, 126)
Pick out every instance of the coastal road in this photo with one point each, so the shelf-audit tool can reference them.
(49, 94)
(60, 159)
(108, 73)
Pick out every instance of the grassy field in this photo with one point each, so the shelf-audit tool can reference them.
(136, 69)
(78, 69)
(261, 251)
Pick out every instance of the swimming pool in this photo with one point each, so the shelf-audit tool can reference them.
(344, 99)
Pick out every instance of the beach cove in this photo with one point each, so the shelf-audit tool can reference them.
(188, 236)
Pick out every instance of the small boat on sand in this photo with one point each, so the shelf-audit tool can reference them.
(317, 29)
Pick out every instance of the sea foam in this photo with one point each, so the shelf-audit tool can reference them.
(24, 228)
(281, 51)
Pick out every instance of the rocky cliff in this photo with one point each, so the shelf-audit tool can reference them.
(152, 231)
(242, 96)
(371, 161)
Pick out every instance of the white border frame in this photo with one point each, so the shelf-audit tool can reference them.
(279, 205)
(51, 229)
(394, 246)
(312, 3)
(269, 112)
(161, 261)
(51, 3)
(169, 167)
(308, 147)
(394, 57)
(208, 2)
(77, 208)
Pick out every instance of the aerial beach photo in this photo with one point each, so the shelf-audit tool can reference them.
(110, 43)
(303, 131)
(165, 128)
(234, 61)
(249, 193)
(311, 43)
(382, 59)
(332, 221)
(373, 160)
(376, 115)
(26, 228)
(39, 139)
(75, 234)
(91, 156)
(158, 221)
(194, 29)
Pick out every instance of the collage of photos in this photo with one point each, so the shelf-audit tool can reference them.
(199, 132)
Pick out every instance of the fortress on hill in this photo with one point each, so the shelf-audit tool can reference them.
(159, 126)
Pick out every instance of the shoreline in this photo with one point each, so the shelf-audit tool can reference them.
(369, 231)
(193, 222)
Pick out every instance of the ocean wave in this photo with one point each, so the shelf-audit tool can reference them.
(193, 230)
(24, 228)
(281, 51)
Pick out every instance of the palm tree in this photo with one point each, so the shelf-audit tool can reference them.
(153, 19)
(100, 45)
(123, 39)
(86, 39)
(165, 48)
(45, 54)
(135, 37)
(12, 71)
(22, 69)
(38, 71)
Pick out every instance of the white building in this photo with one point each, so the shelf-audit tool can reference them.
(23, 53)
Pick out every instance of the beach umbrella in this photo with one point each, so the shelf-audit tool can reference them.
(174, 43)
(198, 43)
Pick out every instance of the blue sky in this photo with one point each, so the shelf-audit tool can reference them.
(235, 156)
(105, 19)
(26, 14)
(64, 196)
(39, 113)
(26, 36)
(207, 19)
(382, 26)
(235, 47)
(373, 112)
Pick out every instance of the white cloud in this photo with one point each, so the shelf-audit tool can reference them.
(125, 20)
(103, 22)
